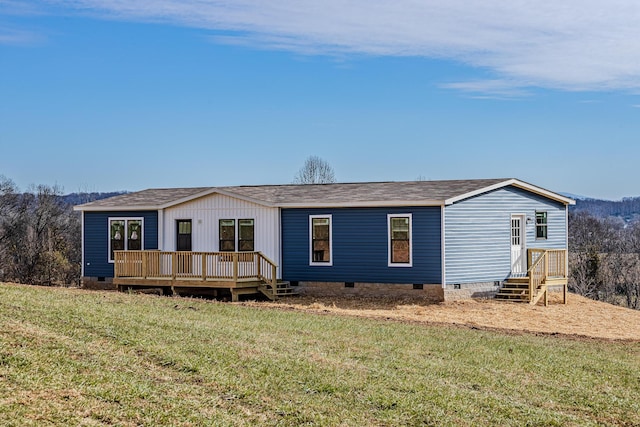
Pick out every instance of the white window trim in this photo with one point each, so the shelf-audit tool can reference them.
(311, 262)
(125, 219)
(396, 264)
(546, 224)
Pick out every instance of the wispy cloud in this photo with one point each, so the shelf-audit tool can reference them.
(14, 37)
(572, 45)
(499, 89)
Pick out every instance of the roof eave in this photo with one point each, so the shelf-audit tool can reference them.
(516, 183)
(114, 208)
(208, 192)
(364, 204)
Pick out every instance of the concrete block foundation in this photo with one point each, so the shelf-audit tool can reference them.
(425, 292)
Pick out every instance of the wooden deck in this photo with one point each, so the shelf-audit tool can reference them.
(239, 272)
(546, 268)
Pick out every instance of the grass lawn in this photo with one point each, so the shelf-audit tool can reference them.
(72, 357)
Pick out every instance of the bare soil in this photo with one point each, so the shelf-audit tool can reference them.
(579, 318)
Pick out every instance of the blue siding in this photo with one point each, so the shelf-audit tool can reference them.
(360, 241)
(96, 239)
(477, 233)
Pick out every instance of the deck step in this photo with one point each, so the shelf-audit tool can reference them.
(514, 289)
(283, 289)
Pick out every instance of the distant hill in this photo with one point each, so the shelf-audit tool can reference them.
(80, 198)
(627, 209)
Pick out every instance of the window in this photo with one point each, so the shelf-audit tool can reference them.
(183, 237)
(400, 249)
(245, 235)
(320, 237)
(227, 235)
(541, 225)
(125, 234)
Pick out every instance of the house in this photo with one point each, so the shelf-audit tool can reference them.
(433, 239)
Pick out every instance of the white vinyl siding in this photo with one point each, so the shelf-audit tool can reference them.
(478, 233)
(206, 214)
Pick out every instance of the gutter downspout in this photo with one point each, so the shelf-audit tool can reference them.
(443, 246)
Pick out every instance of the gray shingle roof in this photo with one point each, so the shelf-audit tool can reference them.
(154, 197)
(359, 192)
(345, 194)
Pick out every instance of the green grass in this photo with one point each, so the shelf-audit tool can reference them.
(71, 357)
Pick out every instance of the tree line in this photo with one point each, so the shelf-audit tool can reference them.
(40, 234)
(604, 258)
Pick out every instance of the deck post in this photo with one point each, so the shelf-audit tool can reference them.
(274, 278)
(174, 264)
(546, 296)
(235, 266)
(259, 264)
(546, 264)
(204, 266)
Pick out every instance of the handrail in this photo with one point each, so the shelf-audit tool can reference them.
(549, 263)
(165, 265)
(536, 277)
(269, 274)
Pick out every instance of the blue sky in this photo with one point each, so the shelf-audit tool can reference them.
(102, 95)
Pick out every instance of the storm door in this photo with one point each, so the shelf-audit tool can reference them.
(183, 239)
(518, 251)
(184, 262)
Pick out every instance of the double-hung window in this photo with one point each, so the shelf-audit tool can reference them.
(125, 234)
(320, 236)
(227, 231)
(541, 225)
(245, 234)
(400, 244)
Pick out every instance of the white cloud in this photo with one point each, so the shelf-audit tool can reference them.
(570, 45)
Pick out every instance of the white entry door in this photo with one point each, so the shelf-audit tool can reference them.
(518, 252)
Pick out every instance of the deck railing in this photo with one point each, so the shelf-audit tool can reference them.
(545, 264)
(160, 265)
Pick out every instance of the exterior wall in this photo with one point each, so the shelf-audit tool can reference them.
(478, 233)
(96, 239)
(429, 293)
(205, 213)
(360, 246)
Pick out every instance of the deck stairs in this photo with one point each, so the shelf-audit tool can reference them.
(547, 268)
(283, 289)
(515, 289)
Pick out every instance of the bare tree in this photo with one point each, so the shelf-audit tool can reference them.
(605, 259)
(39, 235)
(315, 171)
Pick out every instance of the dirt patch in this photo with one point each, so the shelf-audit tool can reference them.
(580, 317)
